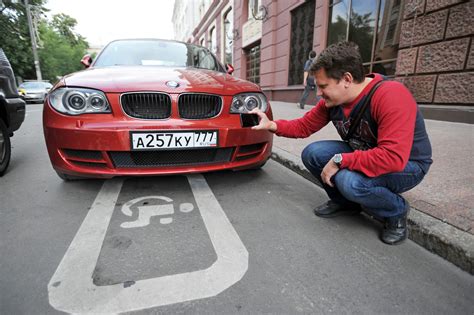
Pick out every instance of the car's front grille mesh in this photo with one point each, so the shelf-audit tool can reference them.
(83, 154)
(147, 105)
(199, 106)
(251, 147)
(130, 159)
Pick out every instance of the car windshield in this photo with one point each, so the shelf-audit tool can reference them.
(156, 53)
(35, 85)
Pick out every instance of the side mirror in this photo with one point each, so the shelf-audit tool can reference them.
(229, 68)
(86, 61)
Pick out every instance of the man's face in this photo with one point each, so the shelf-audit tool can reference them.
(333, 91)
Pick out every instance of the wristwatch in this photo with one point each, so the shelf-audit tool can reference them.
(337, 158)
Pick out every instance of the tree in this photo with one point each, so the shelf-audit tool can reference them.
(15, 36)
(61, 48)
(361, 32)
(64, 25)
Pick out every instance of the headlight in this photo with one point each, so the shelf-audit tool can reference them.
(77, 101)
(245, 102)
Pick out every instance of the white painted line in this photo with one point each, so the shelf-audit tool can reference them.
(71, 288)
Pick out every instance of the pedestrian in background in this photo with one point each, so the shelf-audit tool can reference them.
(386, 150)
(308, 80)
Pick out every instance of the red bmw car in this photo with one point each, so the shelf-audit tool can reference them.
(153, 107)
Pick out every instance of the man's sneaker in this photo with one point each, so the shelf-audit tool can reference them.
(301, 106)
(331, 209)
(395, 230)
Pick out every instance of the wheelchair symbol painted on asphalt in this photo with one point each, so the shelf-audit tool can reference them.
(146, 211)
(71, 288)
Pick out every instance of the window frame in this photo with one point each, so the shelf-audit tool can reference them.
(249, 76)
(227, 10)
(377, 28)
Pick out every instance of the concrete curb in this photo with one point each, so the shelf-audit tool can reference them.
(452, 244)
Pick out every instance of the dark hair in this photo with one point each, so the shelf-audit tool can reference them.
(312, 54)
(338, 59)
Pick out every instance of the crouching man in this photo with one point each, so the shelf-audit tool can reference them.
(385, 149)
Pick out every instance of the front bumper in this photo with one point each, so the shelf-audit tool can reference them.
(34, 98)
(98, 145)
(15, 112)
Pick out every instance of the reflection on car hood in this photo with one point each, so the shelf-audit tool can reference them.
(143, 78)
(32, 91)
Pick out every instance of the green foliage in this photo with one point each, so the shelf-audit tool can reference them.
(15, 38)
(360, 32)
(64, 25)
(61, 48)
(59, 56)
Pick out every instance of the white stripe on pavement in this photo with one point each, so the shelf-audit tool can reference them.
(71, 289)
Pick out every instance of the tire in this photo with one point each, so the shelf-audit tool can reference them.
(258, 167)
(5, 148)
(67, 178)
(253, 168)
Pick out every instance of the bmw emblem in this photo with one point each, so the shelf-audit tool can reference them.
(172, 84)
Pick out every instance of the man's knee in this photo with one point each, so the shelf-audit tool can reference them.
(351, 185)
(310, 156)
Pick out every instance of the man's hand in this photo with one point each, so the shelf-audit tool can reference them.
(265, 123)
(305, 77)
(329, 170)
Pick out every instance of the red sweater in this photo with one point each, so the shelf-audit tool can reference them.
(394, 110)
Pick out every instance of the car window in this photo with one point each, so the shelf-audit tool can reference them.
(35, 85)
(156, 53)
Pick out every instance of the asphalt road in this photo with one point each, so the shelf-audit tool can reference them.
(217, 243)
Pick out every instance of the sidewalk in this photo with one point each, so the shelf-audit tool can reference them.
(442, 214)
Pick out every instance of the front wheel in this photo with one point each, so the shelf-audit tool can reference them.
(67, 177)
(5, 148)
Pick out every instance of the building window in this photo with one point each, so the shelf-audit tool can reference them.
(252, 8)
(338, 17)
(228, 35)
(374, 25)
(253, 64)
(213, 40)
(302, 27)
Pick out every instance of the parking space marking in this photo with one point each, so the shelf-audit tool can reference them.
(71, 289)
(146, 212)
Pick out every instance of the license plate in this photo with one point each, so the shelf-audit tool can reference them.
(173, 140)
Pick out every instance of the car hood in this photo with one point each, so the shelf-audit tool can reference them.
(151, 78)
(32, 91)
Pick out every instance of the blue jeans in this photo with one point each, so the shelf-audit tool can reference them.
(379, 196)
(307, 89)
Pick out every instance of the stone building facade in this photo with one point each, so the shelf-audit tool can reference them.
(436, 57)
(426, 44)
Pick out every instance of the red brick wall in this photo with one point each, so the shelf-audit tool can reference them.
(436, 57)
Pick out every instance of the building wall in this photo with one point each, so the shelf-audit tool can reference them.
(275, 45)
(435, 60)
(186, 16)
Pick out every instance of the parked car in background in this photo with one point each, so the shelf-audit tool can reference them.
(153, 107)
(34, 91)
(12, 110)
